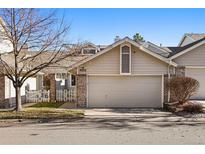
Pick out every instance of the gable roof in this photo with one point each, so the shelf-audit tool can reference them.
(142, 47)
(59, 67)
(177, 51)
(192, 37)
(196, 36)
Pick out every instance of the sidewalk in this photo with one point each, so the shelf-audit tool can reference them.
(142, 115)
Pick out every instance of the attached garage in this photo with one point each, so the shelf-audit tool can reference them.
(123, 75)
(198, 74)
(125, 91)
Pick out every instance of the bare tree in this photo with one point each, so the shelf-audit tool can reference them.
(182, 88)
(40, 32)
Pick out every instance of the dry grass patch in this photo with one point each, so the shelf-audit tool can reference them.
(48, 104)
(42, 113)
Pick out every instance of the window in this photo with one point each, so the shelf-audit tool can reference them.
(89, 50)
(125, 60)
(73, 80)
(58, 75)
(62, 75)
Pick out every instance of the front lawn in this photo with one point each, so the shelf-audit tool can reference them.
(42, 113)
(48, 104)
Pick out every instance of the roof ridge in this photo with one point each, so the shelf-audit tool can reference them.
(159, 47)
(194, 33)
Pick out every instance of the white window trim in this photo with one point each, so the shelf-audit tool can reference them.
(87, 93)
(122, 45)
(162, 92)
(61, 76)
(89, 49)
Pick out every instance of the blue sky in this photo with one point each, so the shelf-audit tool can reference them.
(165, 26)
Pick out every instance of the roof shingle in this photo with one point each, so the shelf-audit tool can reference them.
(176, 50)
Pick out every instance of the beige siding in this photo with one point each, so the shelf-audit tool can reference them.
(142, 63)
(186, 41)
(196, 57)
(108, 63)
(199, 75)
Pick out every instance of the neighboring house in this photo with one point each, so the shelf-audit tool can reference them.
(134, 74)
(7, 90)
(191, 59)
(190, 38)
(64, 79)
(5, 45)
(85, 48)
(60, 78)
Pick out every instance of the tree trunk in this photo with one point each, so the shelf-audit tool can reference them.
(18, 99)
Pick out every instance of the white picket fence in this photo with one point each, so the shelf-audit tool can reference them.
(67, 95)
(35, 96)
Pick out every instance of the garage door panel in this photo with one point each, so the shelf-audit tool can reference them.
(143, 91)
(199, 75)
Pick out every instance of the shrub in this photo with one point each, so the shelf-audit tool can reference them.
(182, 88)
(193, 107)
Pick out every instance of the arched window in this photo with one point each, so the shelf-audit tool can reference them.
(125, 60)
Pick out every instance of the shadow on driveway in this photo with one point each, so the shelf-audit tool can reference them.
(114, 119)
(115, 124)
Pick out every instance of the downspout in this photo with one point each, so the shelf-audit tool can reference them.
(169, 79)
(10, 101)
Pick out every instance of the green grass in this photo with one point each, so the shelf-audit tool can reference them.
(42, 113)
(48, 104)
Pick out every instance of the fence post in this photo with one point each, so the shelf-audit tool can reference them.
(66, 95)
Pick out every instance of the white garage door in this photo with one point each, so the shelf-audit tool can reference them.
(119, 91)
(198, 74)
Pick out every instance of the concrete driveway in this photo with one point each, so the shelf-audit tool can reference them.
(141, 114)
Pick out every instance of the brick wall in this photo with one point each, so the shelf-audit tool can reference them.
(81, 90)
(52, 87)
(2, 91)
(2, 87)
